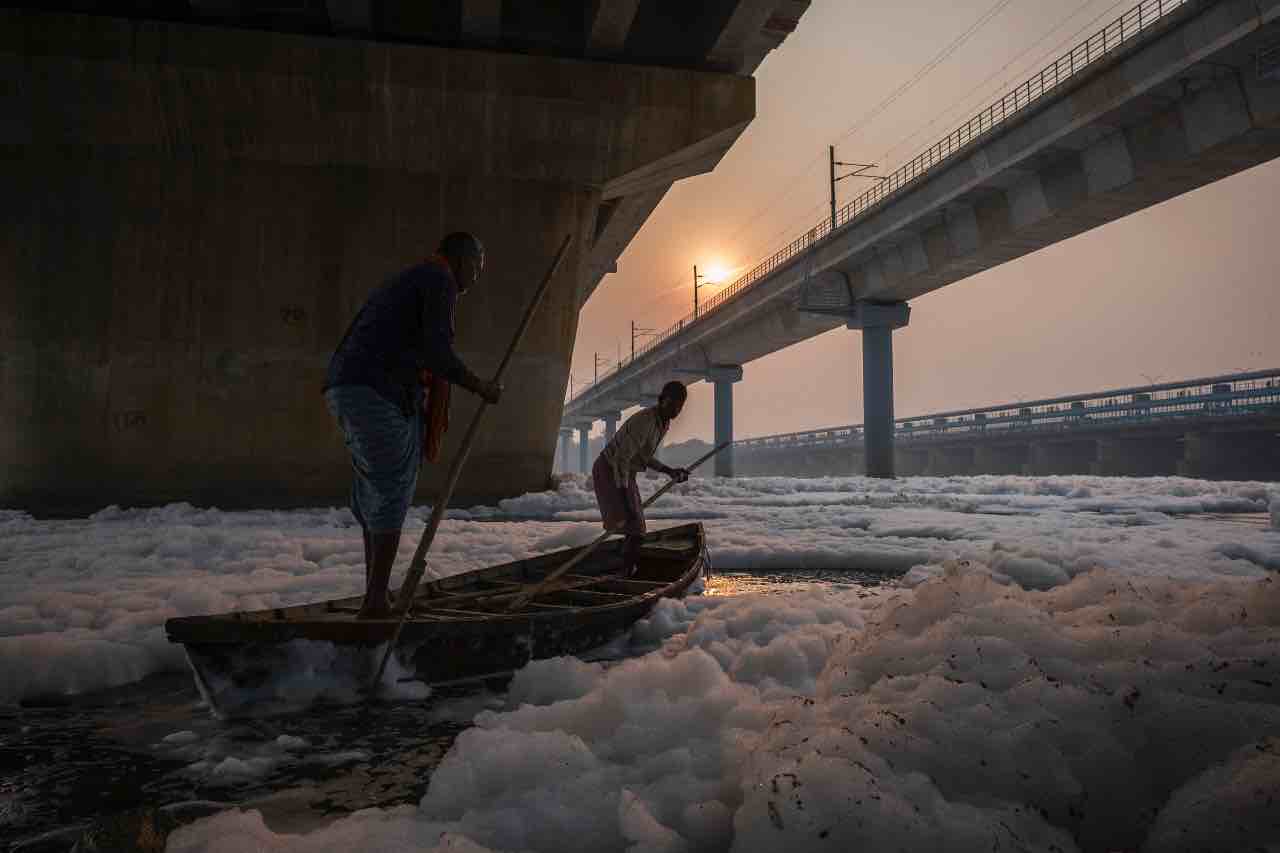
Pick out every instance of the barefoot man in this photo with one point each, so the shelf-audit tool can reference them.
(374, 391)
(631, 451)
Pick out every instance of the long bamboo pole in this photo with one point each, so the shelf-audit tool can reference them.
(417, 566)
(524, 598)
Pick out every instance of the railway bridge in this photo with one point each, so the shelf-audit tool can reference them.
(1220, 427)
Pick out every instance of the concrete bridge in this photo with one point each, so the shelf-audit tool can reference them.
(1220, 427)
(198, 195)
(1173, 95)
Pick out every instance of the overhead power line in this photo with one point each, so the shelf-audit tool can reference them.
(941, 57)
(946, 52)
(964, 104)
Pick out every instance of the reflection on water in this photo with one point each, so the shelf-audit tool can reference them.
(1248, 519)
(799, 580)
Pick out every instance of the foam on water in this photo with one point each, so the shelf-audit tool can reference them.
(83, 602)
(964, 713)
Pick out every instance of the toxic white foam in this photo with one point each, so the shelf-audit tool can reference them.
(83, 602)
(966, 713)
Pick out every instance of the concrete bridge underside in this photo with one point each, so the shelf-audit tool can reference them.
(1185, 105)
(194, 213)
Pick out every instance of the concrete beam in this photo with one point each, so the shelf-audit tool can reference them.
(481, 20)
(610, 22)
(755, 28)
(350, 16)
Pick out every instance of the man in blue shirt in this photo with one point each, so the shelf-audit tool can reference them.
(374, 391)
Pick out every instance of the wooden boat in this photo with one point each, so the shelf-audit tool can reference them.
(458, 627)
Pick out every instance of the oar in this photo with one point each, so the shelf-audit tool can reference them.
(523, 599)
(404, 599)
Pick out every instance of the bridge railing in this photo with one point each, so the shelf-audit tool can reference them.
(1236, 395)
(1085, 55)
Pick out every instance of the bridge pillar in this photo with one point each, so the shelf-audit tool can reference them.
(877, 322)
(722, 378)
(280, 178)
(584, 447)
(566, 438)
(611, 425)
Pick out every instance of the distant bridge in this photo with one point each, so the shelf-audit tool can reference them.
(1170, 96)
(1219, 427)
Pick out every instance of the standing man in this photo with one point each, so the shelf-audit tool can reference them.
(374, 391)
(630, 452)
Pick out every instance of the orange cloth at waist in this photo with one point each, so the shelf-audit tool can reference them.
(435, 399)
(435, 414)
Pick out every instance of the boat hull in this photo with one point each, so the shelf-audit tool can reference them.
(305, 652)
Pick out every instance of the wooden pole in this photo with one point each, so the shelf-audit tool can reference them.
(404, 599)
(524, 598)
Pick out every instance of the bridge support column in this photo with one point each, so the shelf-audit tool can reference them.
(566, 438)
(611, 425)
(584, 447)
(724, 428)
(722, 378)
(877, 322)
(280, 177)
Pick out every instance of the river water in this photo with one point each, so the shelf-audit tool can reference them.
(97, 768)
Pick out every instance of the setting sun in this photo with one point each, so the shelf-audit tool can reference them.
(717, 273)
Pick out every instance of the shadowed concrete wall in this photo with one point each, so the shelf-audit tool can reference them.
(193, 215)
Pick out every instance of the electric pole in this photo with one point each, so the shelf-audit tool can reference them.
(696, 277)
(638, 332)
(859, 172)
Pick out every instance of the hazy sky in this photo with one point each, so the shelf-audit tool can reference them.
(1184, 289)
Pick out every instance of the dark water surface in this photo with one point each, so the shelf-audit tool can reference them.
(94, 770)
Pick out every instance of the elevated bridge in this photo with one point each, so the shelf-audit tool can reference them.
(1219, 427)
(1170, 96)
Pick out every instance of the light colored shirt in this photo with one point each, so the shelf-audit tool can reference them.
(632, 448)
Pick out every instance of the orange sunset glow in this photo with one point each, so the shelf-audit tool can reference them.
(1184, 288)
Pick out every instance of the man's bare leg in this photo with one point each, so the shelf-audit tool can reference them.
(368, 555)
(382, 552)
(631, 554)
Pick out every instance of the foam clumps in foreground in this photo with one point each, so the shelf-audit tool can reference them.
(83, 602)
(965, 713)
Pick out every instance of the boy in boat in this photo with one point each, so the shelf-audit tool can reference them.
(374, 390)
(631, 451)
